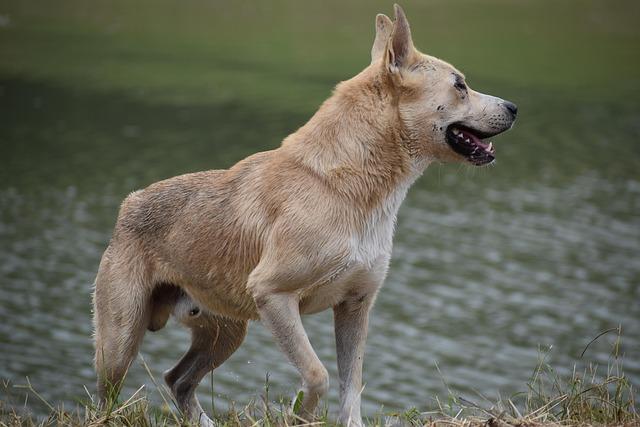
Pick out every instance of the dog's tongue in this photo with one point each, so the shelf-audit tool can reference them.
(468, 135)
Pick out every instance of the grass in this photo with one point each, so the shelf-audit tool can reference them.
(593, 396)
(292, 54)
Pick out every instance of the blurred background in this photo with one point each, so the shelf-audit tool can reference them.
(490, 266)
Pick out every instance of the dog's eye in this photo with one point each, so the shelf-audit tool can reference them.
(460, 85)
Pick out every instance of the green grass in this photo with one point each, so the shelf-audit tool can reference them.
(292, 53)
(598, 396)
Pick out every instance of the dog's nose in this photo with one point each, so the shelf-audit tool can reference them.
(511, 107)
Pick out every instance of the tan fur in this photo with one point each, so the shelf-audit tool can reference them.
(299, 229)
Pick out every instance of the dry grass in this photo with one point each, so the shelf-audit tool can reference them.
(591, 397)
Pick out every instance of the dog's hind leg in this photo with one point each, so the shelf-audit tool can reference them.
(121, 315)
(213, 340)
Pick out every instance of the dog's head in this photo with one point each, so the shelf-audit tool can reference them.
(439, 113)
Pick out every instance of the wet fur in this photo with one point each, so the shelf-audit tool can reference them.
(299, 229)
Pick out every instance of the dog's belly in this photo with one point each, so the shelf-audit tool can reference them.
(323, 297)
(224, 291)
(239, 305)
(353, 280)
(219, 293)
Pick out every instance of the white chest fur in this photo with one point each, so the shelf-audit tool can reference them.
(370, 252)
(375, 240)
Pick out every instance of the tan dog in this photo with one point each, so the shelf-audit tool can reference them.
(296, 230)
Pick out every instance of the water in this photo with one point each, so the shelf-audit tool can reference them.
(489, 266)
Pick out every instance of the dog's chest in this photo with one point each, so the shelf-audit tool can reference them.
(375, 238)
(369, 255)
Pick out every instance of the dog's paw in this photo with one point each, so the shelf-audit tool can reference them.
(205, 421)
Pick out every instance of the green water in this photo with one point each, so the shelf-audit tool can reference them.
(100, 99)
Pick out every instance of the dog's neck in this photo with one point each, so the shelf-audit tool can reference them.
(355, 141)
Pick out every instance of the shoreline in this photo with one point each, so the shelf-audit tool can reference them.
(593, 397)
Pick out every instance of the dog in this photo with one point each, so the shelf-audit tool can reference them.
(296, 230)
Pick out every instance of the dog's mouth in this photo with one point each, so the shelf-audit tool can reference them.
(469, 143)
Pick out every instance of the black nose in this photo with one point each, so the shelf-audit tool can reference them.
(511, 107)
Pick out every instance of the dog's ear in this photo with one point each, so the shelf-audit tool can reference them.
(384, 26)
(400, 46)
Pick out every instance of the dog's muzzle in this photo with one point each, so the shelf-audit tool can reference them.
(471, 143)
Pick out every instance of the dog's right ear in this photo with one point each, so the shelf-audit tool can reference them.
(384, 26)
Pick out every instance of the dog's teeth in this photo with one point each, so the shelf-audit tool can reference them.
(490, 147)
(456, 131)
(467, 140)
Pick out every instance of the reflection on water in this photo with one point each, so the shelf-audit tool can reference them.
(488, 264)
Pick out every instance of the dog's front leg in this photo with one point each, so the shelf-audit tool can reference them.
(351, 319)
(280, 313)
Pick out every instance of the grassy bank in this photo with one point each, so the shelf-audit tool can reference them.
(292, 53)
(596, 395)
